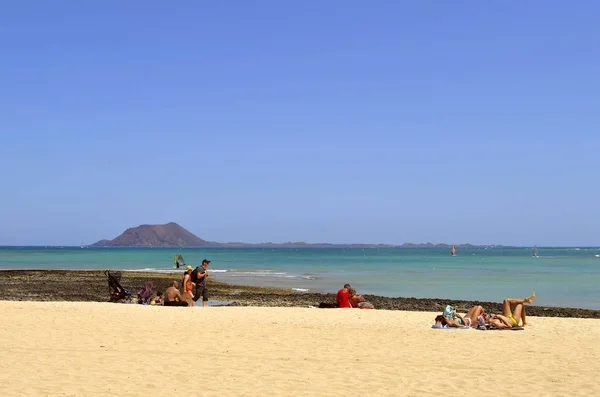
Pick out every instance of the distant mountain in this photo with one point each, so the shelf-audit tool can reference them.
(173, 235)
(169, 235)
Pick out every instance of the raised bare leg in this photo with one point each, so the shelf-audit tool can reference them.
(524, 317)
(518, 312)
(530, 298)
(509, 302)
(474, 313)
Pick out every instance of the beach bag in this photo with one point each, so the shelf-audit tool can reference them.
(195, 275)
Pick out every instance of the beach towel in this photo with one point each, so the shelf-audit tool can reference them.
(437, 326)
(491, 327)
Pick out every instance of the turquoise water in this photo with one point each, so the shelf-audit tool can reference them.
(560, 276)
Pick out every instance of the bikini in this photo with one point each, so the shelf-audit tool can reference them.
(514, 321)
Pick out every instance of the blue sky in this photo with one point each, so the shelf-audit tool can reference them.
(386, 122)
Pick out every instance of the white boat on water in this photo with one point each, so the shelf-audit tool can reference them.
(536, 252)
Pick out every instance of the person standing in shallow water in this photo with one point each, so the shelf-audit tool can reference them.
(201, 290)
(343, 296)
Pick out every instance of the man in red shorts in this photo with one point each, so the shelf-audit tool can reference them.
(342, 297)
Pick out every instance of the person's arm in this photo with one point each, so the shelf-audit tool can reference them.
(178, 296)
(457, 315)
(501, 321)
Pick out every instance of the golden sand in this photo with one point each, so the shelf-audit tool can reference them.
(102, 349)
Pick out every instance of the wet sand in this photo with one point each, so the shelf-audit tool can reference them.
(92, 286)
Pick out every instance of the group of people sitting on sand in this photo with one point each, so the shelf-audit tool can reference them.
(347, 298)
(513, 315)
(186, 297)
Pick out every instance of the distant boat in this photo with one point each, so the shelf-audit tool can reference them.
(82, 246)
(453, 250)
(536, 252)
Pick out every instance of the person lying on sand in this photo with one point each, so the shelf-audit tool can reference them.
(454, 319)
(440, 322)
(510, 318)
(173, 296)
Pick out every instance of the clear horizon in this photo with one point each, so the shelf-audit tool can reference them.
(265, 121)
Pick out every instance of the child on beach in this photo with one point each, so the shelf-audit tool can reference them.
(157, 300)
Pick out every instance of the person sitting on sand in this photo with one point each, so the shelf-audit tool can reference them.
(188, 295)
(157, 300)
(341, 299)
(510, 318)
(354, 299)
(357, 301)
(173, 296)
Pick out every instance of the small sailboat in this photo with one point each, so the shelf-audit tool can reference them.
(453, 250)
(535, 252)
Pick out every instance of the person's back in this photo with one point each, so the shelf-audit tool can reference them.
(173, 296)
(342, 297)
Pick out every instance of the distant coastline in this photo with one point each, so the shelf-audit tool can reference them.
(173, 235)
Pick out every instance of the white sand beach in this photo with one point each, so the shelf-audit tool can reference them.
(102, 349)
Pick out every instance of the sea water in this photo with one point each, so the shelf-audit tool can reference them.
(567, 277)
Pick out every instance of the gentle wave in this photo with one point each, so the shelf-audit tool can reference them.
(153, 270)
(174, 270)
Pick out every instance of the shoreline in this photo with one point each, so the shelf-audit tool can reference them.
(92, 286)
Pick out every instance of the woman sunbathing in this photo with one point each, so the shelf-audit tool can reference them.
(454, 319)
(510, 318)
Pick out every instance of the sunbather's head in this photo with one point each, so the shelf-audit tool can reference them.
(351, 291)
(175, 284)
(346, 285)
(440, 319)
